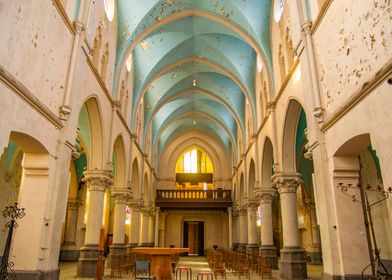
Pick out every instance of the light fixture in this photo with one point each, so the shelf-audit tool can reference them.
(194, 122)
(194, 82)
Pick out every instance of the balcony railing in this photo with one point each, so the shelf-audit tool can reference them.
(193, 198)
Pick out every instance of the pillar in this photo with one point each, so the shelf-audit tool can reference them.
(243, 221)
(252, 226)
(151, 230)
(267, 248)
(236, 228)
(143, 239)
(96, 181)
(156, 228)
(31, 244)
(315, 250)
(69, 251)
(121, 198)
(134, 228)
(293, 264)
(230, 215)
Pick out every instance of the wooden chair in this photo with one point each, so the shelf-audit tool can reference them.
(265, 267)
(219, 267)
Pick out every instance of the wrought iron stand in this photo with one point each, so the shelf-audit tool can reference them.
(14, 213)
(374, 254)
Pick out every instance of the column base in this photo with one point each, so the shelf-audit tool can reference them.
(116, 251)
(270, 253)
(37, 274)
(88, 260)
(143, 244)
(315, 254)
(250, 248)
(293, 264)
(241, 247)
(326, 276)
(69, 255)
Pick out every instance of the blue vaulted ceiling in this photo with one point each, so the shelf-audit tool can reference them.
(194, 65)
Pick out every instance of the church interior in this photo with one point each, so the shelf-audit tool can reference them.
(250, 128)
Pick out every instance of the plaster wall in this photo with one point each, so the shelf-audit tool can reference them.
(351, 44)
(215, 228)
(30, 49)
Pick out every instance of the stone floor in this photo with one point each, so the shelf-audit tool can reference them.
(68, 270)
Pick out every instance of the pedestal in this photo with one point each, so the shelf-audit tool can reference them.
(87, 263)
(250, 248)
(316, 256)
(69, 252)
(270, 253)
(116, 252)
(293, 264)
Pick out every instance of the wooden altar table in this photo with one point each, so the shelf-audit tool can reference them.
(160, 260)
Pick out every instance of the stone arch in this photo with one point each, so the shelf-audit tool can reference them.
(96, 132)
(146, 189)
(289, 136)
(267, 164)
(35, 189)
(135, 178)
(119, 163)
(251, 178)
(241, 189)
(355, 162)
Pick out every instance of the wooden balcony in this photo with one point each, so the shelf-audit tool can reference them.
(194, 199)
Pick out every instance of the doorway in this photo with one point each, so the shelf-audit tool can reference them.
(193, 237)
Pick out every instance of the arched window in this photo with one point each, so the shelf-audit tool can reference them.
(194, 169)
(278, 9)
(109, 9)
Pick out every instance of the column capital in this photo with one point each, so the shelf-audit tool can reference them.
(242, 211)
(136, 204)
(97, 180)
(121, 196)
(230, 209)
(286, 182)
(264, 195)
(251, 204)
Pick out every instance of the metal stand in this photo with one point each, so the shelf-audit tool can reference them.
(6, 267)
(375, 261)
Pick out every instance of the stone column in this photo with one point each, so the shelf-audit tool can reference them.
(315, 250)
(243, 229)
(69, 251)
(96, 182)
(143, 239)
(293, 264)
(121, 198)
(156, 231)
(252, 245)
(230, 214)
(267, 248)
(151, 230)
(134, 229)
(236, 228)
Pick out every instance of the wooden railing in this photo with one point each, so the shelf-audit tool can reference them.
(194, 198)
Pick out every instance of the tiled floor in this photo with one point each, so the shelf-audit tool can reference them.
(68, 270)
